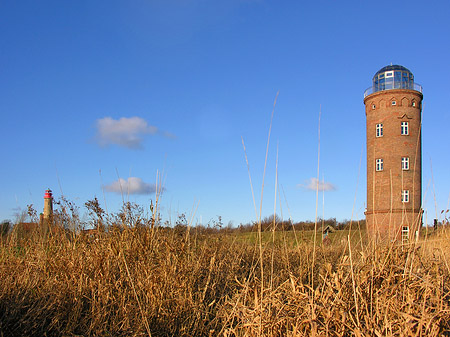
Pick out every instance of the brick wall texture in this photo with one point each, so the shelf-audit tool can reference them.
(386, 213)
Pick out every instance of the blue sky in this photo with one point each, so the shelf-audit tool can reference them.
(93, 92)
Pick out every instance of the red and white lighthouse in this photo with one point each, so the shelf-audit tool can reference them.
(48, 204)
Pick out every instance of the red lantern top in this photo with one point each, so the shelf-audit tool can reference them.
(48, 194)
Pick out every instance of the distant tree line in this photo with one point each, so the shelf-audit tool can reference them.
(268, 224)
(271, 222)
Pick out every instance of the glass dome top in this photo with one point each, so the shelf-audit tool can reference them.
(394, 67)
(392, 77)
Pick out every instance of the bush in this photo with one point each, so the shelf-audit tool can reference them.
(5, 227)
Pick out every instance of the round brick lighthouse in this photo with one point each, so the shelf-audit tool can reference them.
(394, 154)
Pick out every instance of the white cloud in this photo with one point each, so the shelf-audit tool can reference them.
(313, 183)
(127, 132)
(133, 185)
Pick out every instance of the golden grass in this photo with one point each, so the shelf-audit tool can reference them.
(163, 282)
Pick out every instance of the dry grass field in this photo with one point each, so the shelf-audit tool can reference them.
(182, 282)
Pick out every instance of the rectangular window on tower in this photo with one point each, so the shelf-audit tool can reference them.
(405, 163)
(405, 234)
(379, 131)
(405, 196)
(379, 164)
(405, 128)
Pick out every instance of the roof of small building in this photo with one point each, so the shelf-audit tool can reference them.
(329, 228)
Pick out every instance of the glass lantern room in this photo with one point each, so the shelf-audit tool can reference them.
(393, 77)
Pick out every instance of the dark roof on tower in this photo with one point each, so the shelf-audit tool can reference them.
(392, 67)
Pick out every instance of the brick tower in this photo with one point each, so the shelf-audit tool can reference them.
(394, 154)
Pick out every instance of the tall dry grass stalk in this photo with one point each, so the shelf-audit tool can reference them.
(312, 303)
(259, 218)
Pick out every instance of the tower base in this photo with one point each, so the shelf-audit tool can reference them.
(393, 225)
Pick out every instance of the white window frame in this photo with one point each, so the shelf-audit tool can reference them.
(379, 164)
(405, 234)
(405, 163)
(394, 103)
(405, 196)
(379, 130)
(413, 103)
(404, 128)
